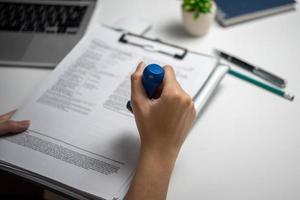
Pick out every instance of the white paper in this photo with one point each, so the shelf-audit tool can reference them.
(81, 133)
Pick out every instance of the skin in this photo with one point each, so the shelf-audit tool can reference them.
(163, 125)
(9, 126)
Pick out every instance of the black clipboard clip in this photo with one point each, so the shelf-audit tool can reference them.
(154, 45)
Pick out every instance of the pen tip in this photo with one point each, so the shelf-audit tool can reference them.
(293, 97)
(289, 96)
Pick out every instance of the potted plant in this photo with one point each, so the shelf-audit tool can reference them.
(198, 15)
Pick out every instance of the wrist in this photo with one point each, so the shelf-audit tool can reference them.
(162, 157)
(152, 174)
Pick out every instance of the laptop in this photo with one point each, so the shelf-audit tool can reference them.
(40, 33)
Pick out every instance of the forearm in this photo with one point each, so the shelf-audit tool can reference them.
(163, 125)
(152, 176)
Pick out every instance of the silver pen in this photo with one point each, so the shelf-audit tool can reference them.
(271, 78)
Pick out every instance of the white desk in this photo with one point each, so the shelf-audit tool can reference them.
(246, 145)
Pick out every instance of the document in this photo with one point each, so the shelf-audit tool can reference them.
(81, 133)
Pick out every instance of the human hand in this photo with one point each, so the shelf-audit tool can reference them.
(163, 123)
(9, 126)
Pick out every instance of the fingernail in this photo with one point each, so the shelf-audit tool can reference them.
(24, 123)
(141, 64)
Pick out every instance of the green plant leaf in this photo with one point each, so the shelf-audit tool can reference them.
(197, 6)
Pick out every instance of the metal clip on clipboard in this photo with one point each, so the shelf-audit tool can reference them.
(154, 45)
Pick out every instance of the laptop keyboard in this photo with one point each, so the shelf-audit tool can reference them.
(41, 18)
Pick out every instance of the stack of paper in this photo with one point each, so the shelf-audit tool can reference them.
(82, 140)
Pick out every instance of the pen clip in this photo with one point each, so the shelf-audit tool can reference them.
(270, 77)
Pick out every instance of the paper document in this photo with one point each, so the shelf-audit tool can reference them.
(81, 133)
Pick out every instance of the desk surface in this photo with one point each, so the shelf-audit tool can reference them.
(246, 144)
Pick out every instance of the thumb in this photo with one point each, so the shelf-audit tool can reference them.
(13, 126)
(138, 93)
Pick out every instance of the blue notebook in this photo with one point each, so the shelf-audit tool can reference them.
(235, 11)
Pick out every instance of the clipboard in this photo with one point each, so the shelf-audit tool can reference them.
(201, 95)
(177, 52)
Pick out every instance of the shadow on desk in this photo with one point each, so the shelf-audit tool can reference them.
(175, 30)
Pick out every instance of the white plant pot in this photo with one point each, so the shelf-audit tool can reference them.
(201, 25)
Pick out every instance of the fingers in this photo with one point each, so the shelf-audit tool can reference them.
(9, 126)
(170, 84)
(7, 116)
(138, 94)
(13, 126)
(172, 91)
(170, 76)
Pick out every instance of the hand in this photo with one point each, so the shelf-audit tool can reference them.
(163, 123)
(9, 126)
